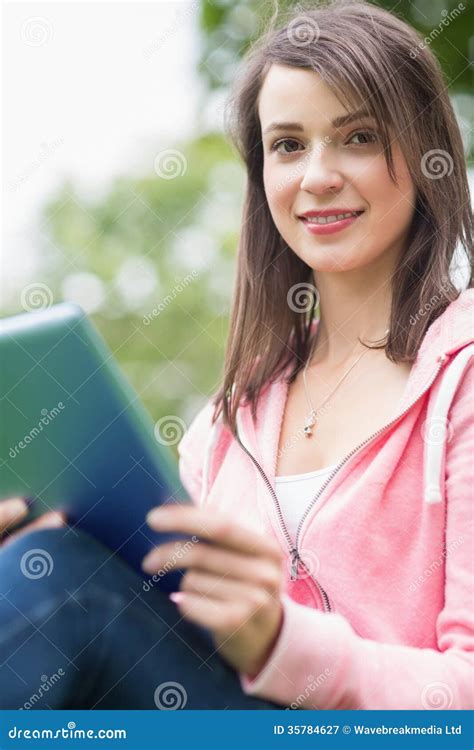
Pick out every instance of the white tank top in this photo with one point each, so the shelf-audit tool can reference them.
(295, 492)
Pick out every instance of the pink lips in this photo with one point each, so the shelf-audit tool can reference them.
(334, 226)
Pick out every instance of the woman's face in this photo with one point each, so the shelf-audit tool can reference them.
(318, 160)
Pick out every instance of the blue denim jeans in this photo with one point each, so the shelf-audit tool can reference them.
(78, 631)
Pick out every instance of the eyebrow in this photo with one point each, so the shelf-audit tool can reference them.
(338, 122)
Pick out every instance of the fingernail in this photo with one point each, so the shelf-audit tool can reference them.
(176, 596)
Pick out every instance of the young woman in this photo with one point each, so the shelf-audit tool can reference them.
(332, 472)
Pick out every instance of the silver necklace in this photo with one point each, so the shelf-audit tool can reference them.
(311, 417)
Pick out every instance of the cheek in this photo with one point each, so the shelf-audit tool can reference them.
(395, 200)
(280, 189)
(389, 202)
(369, 178)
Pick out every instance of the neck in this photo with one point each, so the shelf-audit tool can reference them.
(352, 305)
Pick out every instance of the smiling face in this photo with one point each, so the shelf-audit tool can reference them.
(321, 160)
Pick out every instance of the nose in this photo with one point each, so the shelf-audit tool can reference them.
(321, 173)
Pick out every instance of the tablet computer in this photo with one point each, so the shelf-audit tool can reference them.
(75, 437)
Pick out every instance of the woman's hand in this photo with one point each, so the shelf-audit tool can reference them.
(233, 583)
(13, 510)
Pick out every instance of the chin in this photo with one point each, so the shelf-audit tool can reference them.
(330, 260)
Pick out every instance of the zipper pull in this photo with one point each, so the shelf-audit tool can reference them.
(294, 564)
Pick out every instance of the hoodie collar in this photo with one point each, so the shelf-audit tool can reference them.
(449, 333)
(264, 447)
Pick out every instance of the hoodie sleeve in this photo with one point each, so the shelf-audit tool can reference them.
(320, 662)
(192, 451)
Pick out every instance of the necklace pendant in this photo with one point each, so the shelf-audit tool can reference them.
(309, 424)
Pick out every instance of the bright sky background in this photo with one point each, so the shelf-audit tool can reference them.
(91, 90)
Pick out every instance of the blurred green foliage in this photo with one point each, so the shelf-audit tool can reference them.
(153, 262)
(127, 253)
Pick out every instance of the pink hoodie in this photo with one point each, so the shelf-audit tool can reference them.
(379, 613)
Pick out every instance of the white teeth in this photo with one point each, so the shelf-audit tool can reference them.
(329, 219)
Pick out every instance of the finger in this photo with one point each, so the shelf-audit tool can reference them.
(227, 591)
(11, 512)
(217, 560)
(209, 613)
(215, 527)
(46, 521)
(218, 587)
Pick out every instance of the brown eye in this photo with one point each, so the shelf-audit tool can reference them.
(282, 142)
(367, 136)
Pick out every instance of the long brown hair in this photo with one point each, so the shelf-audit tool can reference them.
(365, 54)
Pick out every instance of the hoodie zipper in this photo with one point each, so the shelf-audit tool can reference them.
(295, 557)
(296, 560)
